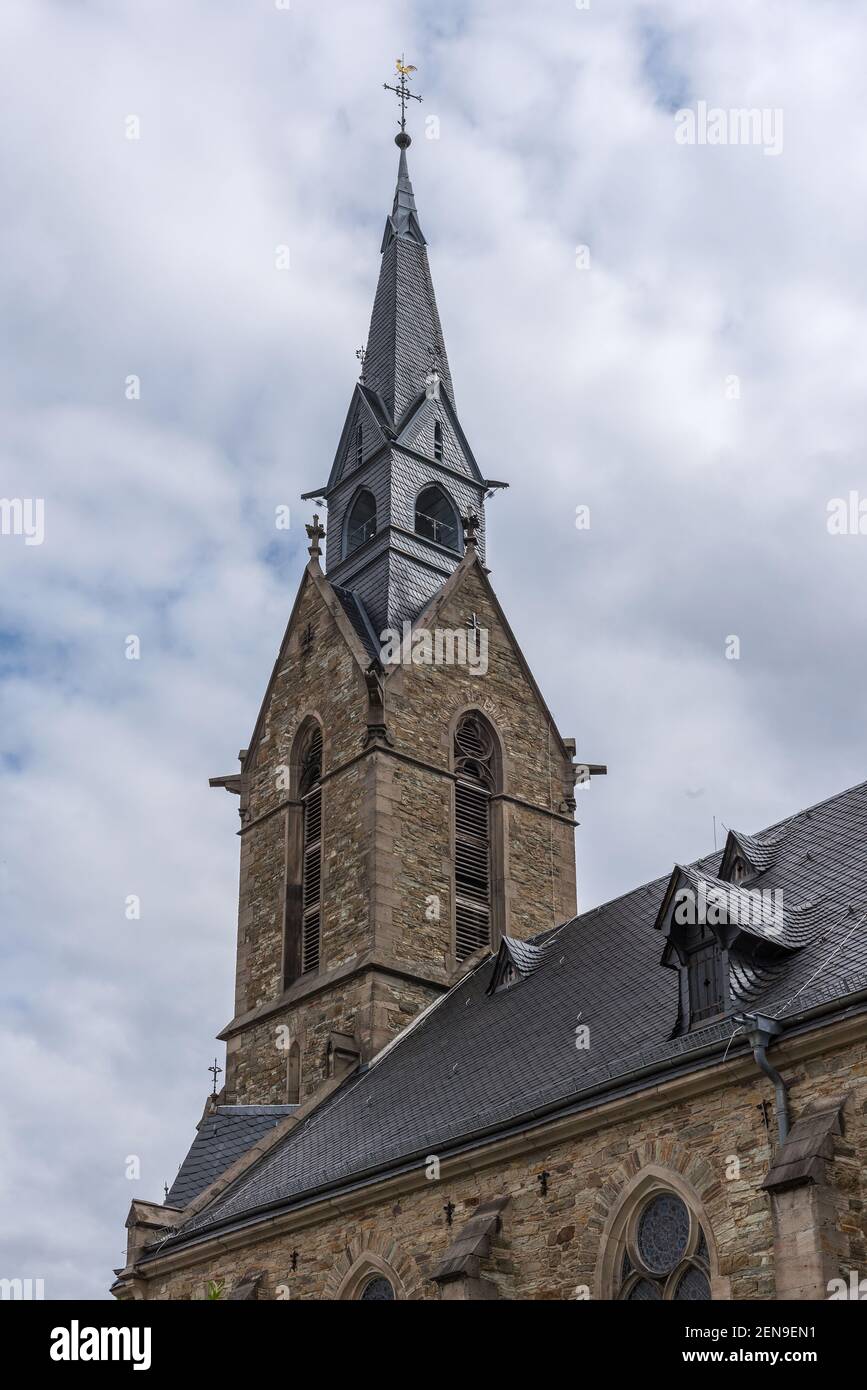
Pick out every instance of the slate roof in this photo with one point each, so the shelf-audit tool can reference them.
(478, 1063)
(405, 323)
(222, 1137)
(357, 615)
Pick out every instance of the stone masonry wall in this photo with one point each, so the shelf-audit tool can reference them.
(387, 883)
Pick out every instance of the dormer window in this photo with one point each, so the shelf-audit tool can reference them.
(438, 442)
(361, 526)
(436, 519)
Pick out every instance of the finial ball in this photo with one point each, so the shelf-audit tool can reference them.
(402, 140)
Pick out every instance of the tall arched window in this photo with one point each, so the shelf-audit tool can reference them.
(304, 867)
(475, 767)
(359, 445)
(666, 1254)
(436, 518)
(438, 440)
(310, 790)
(361, 525)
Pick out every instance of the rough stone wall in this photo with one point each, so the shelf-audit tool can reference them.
(550, 1245)
(329, 683)
(423, 703)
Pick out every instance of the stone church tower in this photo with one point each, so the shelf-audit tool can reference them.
(440, 1083)
(406, 799)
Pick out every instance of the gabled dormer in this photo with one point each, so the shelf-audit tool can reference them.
(515, 961)
(722, 937)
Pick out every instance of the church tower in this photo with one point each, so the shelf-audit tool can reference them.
(406, 800)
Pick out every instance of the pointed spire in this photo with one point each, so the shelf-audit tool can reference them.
(405, 327)
(403, 221)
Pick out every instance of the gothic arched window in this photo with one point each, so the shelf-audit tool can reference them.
(361, 525)
(475, 765)
(377, 1288)
(359, 445)
(304, 866)
(436, 518)
(438, 441)
(666, 1254)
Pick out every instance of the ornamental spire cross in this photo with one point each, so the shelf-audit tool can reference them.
(316, 534)
(403, 95)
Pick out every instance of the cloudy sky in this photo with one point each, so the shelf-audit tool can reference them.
(695, 376)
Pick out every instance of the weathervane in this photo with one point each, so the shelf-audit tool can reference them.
(404, 95)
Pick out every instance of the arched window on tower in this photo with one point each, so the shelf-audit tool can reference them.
(438, 441)
(361, 525)
(476, 780)
(436, 518)
(359, 446)
(304, 877)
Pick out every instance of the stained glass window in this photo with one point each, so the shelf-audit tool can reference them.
(665, 1253)
(377, 1288)
(693, 1284)
(643, 1292)
(663, 1232)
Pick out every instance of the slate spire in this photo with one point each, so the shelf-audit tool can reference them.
(405, 327)
(404, 218)
(404, 474)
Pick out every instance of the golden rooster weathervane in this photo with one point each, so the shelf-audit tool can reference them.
(403, 94)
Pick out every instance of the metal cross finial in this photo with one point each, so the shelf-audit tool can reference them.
(316, 534)
(215, 1072)
(361, 354)
(403, 95)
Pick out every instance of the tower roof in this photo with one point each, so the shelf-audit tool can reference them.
(404, 219)
(405, 335)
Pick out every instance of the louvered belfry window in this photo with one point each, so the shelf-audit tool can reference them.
(311, 881)
(474, 766)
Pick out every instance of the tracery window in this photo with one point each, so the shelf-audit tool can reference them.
(375, 1289)
(311, 793)
(475, 767)
(666, 1254)
(304, 877)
